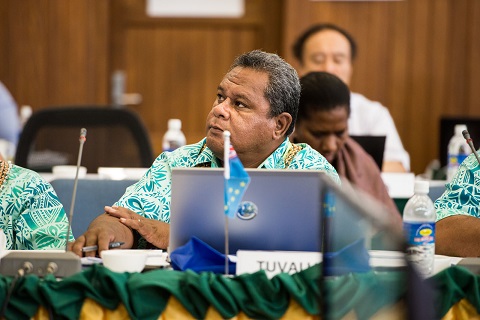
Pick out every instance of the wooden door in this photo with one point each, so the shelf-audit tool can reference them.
(176, 64)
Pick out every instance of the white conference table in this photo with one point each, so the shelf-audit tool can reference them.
(107, 173)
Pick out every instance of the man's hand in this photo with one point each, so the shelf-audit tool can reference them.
(103, 230)
(153, 231)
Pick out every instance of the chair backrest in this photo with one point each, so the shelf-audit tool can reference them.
(116, 137)
(92, 195)
(374, 146)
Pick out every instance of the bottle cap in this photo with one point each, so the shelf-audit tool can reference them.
(25, 113)
(421, 186)
(459, 129)
(175, 124)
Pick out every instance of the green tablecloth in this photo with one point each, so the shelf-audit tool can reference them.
(400, 203)
(146, 295)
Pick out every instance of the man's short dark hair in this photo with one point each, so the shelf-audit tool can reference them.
(322, 91)
(298, 46)
(283, 88)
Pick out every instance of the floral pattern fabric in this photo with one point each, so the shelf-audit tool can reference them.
(31, 215)
(462, 194)
(151, 195)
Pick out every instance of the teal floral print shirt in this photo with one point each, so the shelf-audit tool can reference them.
(151, 195)
(462, 194)
(31, 215)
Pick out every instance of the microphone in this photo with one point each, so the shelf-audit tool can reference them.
(41, 263)
(466, 135)
(82, 139)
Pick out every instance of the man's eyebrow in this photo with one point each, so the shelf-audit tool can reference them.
(244, 97)
(318, 131)
(339, 54)
(236, 96)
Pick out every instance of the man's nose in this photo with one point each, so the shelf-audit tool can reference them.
(222, 109)
(330, 66)
(329, 144)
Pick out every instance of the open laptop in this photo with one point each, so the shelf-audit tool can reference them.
(288, 215)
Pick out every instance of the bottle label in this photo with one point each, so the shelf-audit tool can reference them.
(419, 233)
(461, 157)
(454, 160)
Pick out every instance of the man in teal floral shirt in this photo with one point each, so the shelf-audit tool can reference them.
(458, 223)
(31, 216)
(257, 101)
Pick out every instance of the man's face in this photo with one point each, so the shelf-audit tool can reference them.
(242, 109)
(325, 131)
(328, 51)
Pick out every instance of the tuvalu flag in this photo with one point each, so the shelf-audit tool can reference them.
(236, 178)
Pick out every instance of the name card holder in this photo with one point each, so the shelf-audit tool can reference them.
(275, 262)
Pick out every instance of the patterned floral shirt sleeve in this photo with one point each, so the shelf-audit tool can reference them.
(151, 195)
(462, 194)
(32, 216)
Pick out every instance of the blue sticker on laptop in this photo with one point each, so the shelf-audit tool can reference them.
(247, 210)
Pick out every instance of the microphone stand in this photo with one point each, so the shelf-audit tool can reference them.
(467, 137)
(83, 138)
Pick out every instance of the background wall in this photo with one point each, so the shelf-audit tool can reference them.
(55, 52)
(418, 57)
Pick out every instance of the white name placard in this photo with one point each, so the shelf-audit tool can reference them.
(275, 262)
(196, 8)
(399, 185)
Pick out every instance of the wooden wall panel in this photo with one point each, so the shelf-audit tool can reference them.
(27, 54)
(56, 51)
(176, 64)
(4, 67)
(473, 43)
(176, 85)
(419, 58)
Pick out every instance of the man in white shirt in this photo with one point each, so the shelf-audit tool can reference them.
(326, 47)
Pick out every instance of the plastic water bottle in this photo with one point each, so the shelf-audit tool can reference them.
(457, 151)
(419, 227)
(25, 114)
(174, 136)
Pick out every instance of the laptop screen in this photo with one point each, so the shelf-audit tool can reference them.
(374, 146)
(287, 210)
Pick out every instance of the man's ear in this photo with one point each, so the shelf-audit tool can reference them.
(282, 123)
(292, 136)
(301, 70)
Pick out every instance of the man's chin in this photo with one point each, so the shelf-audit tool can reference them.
(215, 145)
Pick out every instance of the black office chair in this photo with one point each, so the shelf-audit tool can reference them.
(116, 137)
